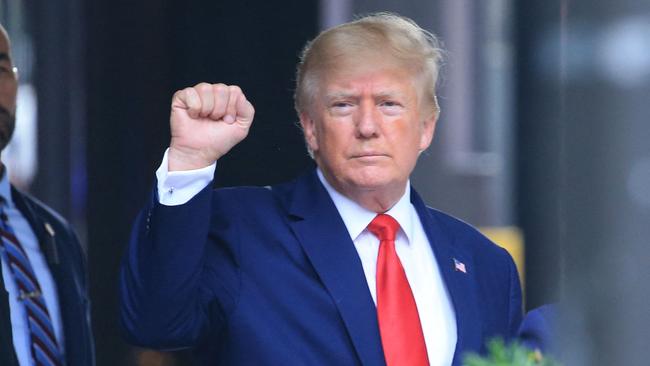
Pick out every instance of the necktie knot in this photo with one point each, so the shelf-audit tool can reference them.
(384, 227)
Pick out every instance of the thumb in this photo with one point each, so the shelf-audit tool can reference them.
(187, 99)
(245, 110)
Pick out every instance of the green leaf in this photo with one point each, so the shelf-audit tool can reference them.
(513, 354)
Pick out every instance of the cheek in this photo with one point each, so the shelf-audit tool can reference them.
(411, 142)
(8, 92)
(334, 135)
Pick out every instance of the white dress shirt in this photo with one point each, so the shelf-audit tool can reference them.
(412, 245)
(29, 242)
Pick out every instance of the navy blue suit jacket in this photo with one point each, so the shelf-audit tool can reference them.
(67, 263)
(270, 276)
(537, 330)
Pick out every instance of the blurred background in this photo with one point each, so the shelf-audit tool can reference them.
(543, 141)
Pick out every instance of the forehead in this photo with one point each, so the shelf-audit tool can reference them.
(377, 77)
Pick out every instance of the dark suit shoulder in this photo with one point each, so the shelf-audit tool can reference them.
(538, 328)
(44, 212)
(461, 230)
(40, 215)
(275, 195)
(470, 240)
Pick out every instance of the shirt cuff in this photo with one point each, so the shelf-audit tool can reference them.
(176, 188)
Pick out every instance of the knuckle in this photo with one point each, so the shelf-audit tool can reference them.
(190, 92)
(204, 88)
(220, 88)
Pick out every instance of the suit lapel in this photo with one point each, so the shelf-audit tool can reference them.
(66, 285)
(328, 246)
(326, 242)
(460, 285)
(43, 230)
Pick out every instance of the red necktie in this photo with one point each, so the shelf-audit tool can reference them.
(399, 322)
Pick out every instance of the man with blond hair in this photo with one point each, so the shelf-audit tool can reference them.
(345, 265)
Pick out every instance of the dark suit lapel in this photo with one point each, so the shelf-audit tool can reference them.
(43, 230)
(460, 285)
(67, 287)
(46, 237)
(328, 246)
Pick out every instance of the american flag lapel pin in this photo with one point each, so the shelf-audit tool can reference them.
(459, 266)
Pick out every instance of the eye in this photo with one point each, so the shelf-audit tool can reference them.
(341, 107)
(340, 104)
(391, 107)
(389, 103)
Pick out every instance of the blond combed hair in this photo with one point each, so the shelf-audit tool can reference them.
(387, 35)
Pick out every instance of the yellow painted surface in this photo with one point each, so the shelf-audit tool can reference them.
(512, 240)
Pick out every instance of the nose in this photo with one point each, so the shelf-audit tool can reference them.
(367, 121)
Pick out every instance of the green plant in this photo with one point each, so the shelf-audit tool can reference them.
(513, 354)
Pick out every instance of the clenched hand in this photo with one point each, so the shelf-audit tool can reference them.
(207, 120)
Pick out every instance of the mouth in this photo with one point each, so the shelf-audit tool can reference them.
(369, 156)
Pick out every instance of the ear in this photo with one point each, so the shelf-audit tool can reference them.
(309, 130)
(428, 129)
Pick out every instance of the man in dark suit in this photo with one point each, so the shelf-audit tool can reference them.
(345, 265)
(44, 307)
(538, 329)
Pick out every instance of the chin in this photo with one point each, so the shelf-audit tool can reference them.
(372, 182)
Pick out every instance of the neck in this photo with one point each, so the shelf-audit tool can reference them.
(375, 201)
(379, 200)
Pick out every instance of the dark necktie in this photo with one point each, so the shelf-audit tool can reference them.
(399, 321)
(45, 349)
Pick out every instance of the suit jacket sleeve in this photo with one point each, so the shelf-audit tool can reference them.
(516, 307)
(175, 287)
(78, 352)
(537, 328)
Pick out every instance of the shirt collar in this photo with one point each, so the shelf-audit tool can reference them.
(5, 188)
(356, 218)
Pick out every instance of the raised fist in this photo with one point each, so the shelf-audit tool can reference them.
(207, 120)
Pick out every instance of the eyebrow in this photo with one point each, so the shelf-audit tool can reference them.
(344, 95)
(339, 95)
(389, 94)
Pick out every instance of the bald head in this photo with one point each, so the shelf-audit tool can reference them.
(8, 90)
